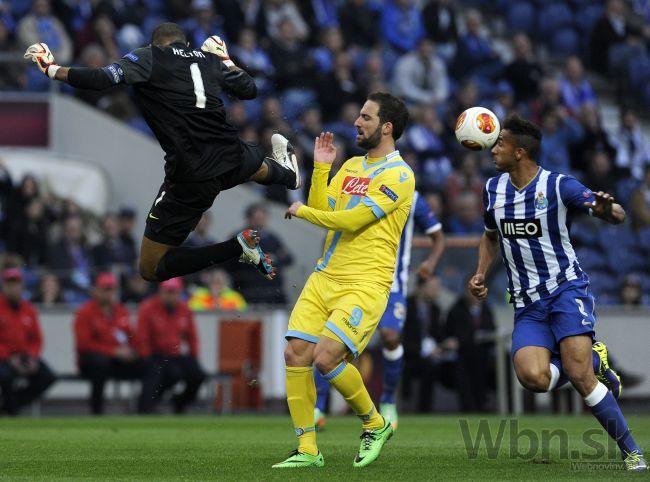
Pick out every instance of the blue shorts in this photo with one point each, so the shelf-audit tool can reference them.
(545, 322)
(395, 314)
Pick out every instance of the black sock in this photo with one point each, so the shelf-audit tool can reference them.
(278, 175)
(182, 260)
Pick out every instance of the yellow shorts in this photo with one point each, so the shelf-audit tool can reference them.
(344, 312)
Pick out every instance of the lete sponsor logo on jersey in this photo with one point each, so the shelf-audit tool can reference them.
(356, 186)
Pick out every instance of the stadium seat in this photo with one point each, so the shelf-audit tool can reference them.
(156, 7)
(591, 259)
(579, 5)
(565, 42)
(503, 5)
(553, 17)
(545, 3)
(624, 190)
(607, 298)
(645, 283)
(253, 108)
(36, 81)
(638, 72)
(621, 260)
(521, 17)
(623, 236)
(390, 58)
(149, 23)
(583, 234)
(645, 95)
(620, 244)
(19, 8)
(643, 240)
(293, 101)
(476, 3)
(587, 16)
(602, 285)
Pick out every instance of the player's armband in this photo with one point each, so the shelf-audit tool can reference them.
(114, 73)
(95, 79)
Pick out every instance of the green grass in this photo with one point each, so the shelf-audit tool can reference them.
(243, 448)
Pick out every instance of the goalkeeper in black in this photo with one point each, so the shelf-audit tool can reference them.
(177, 89)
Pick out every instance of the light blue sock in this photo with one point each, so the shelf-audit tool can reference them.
(606, 410)
(322, 390)
(392, 364)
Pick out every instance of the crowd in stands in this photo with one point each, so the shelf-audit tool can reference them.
(59, 250)
(314, 62)
(160, 350)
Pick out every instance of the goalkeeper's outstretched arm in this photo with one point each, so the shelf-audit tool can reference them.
(80, 77)
(87, 78)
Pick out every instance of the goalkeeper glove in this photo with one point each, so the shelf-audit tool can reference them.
(40, 54)
(215, 45)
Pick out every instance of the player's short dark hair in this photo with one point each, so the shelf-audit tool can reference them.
(391, 109)
(525, 134)
(167, 31)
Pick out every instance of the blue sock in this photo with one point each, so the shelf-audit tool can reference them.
(606, 410)
(322, 390)
(562, 378)
(393, 361)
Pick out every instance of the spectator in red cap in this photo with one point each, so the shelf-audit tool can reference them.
(21, 343)
(105, 348)
(167, 335)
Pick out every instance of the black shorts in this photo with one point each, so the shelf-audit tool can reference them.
(178, 206)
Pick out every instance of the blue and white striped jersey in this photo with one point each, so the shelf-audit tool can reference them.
(533, 225)
(422, 217)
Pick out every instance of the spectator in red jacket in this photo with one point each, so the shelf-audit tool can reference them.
(167, 335)
(21, 343)
(105, 346)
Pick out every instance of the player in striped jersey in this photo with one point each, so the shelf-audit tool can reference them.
(528, 215)
(392, 321)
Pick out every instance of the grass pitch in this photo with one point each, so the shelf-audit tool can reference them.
(243, 448)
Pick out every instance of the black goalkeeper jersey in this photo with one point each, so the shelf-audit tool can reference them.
(177, 89)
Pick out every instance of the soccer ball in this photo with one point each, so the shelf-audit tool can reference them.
(477, 128)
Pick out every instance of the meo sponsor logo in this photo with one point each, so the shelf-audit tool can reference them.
(356, 186)
(521, 228)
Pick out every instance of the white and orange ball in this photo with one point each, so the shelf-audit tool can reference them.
(477, 128)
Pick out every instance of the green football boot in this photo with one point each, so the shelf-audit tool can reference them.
(371, 443)
(298, 460)
(605, 374)
(635, 462)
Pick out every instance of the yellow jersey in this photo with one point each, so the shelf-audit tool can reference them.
(365, 208)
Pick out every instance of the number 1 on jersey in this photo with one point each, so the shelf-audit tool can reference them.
(199, 90)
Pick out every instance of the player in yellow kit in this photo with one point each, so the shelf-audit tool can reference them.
(364, 208)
